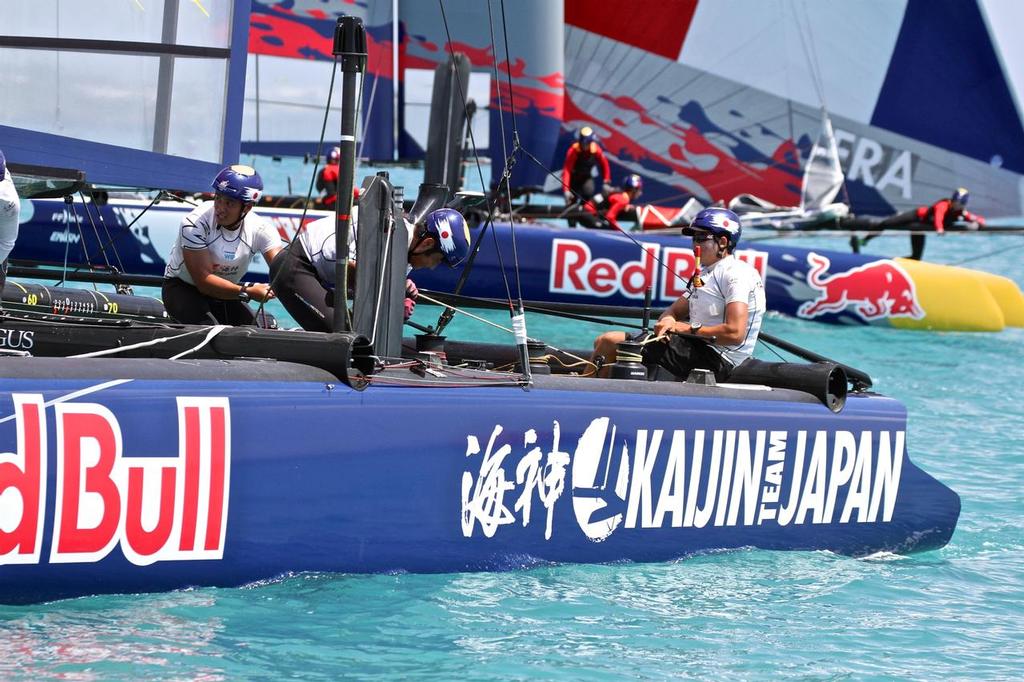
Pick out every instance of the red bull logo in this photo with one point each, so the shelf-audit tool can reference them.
(154, 508)
(875, 290)
(666, 269)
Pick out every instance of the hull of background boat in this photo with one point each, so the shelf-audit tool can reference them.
(604, 267)
(147, 485)
(592, 267)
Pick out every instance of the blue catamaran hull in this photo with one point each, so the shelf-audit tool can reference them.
(128, 485)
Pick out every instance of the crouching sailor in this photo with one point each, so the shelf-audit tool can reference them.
(303, 276)
(216, 243)
(724, 299)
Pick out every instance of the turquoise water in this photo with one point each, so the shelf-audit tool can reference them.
(954, 613)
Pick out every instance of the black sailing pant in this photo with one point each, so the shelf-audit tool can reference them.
(681, 355)
(186, 304)
(905, 218)
(301, 292)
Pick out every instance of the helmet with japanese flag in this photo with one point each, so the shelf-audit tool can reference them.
(449, 230)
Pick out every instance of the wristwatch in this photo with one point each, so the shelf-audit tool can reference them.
(243, 295)
(695, 327)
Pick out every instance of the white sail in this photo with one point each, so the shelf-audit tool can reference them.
(823, 176)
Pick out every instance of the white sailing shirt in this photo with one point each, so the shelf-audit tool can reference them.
(230, 250)
(10, 208)
(317, 240)
(727, 281)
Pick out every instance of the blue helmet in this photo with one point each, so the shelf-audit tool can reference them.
(960, 195)
(633, 181)
(586, 136)
(239, 182)
(334, 155)
(449, 230)
(718, 221)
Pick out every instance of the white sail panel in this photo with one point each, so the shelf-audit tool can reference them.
(285, 100)
(823, 176)
(1003, 20)
(135, 94)
(778, 46)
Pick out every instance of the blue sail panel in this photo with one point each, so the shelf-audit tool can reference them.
(945, 85)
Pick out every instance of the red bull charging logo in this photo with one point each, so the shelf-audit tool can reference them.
(874, 290)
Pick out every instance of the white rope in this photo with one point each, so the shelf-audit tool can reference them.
(213, 331)
(380, 277)
(467, 314)
(494, 324)
(209, 337)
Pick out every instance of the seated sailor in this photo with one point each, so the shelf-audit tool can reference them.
(212, 252)
(304, 277)
(724, 299)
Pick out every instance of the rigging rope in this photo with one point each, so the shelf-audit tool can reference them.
(446, 316)
(312, 181)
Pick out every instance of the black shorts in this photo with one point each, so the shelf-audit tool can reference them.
(186, 304)
(299, 289)
(681, 355)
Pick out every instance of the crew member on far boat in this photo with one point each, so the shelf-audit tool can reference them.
(10, 208)
(724, 299)
(215, 245)
(327, 178)
(606, 215)
(582, 158)
(940, 215)
(304, 279)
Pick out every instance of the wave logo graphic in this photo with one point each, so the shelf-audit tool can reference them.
(875, 290)
(600, 480)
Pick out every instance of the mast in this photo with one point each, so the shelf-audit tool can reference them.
(350, 45)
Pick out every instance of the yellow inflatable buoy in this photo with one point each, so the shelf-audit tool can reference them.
(957, 299)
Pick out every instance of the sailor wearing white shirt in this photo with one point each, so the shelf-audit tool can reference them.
(725, 300)
(216, 243)
(304, 278)
(10, 208)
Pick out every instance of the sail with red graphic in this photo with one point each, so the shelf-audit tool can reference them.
(711, 99)
(290, 65)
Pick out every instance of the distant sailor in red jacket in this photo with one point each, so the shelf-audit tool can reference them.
(584, 155)
(940, 215)
(945, 212)
(617, 202)
(327, 179)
